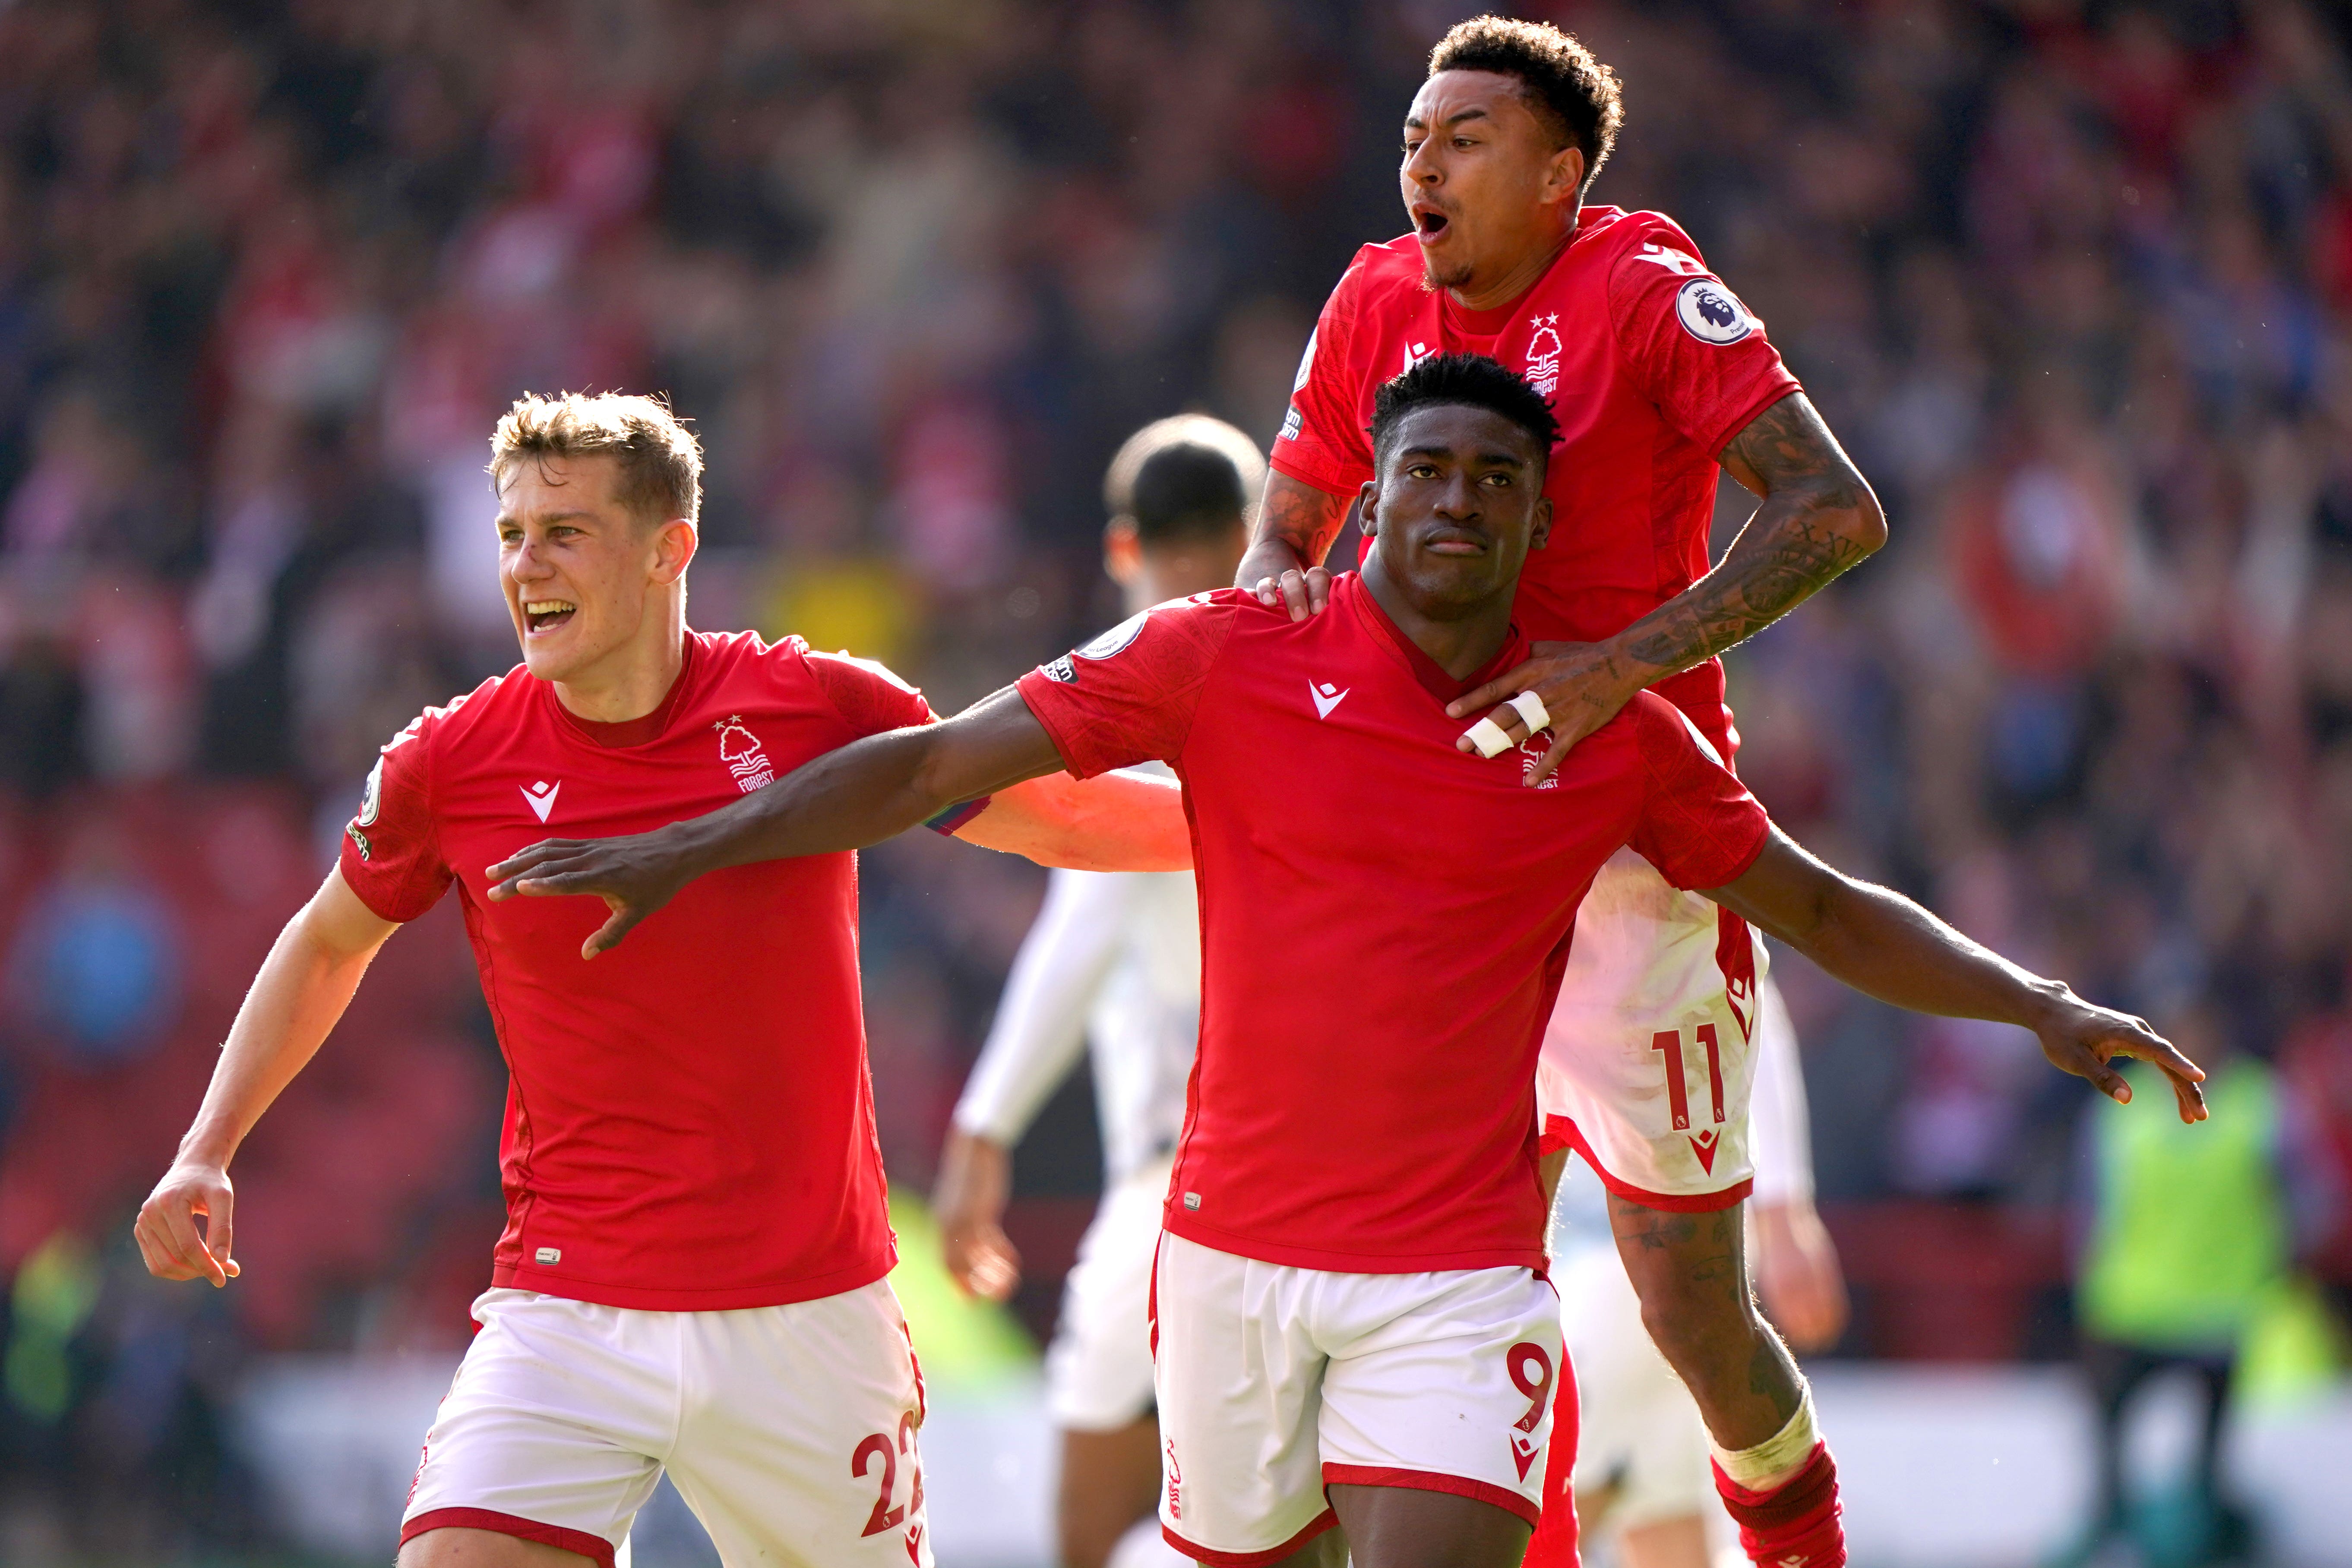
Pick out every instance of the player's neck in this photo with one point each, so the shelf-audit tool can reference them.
(633, 681)
(1520, 276)
(1460, 644)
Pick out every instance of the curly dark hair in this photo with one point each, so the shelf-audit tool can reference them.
(1463, 381)
(1576, 97)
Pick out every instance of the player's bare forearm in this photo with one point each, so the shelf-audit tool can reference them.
(1885, 946)
(1296, 525)
(1818, 519)
(1117, 821)
(299, 993)
(862, 793)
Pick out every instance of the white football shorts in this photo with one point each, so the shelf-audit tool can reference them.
(790, 1430)
(1276, 1383)
(1648, 1062)
(1099, 1368)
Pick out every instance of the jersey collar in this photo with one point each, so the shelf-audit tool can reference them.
(640, 731)
(1349, 587)
(1490, 323)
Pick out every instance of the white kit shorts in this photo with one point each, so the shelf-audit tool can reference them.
(790, 1430)
(1276, 1382)
(1648, 1060)
(1099, 1368)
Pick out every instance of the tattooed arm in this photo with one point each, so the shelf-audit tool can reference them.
(1817, 520)
(1296, 525)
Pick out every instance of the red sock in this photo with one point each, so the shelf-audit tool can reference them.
(1554, 1541)
(1794, 1525)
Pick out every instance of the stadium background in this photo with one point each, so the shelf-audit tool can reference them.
(2074, 281)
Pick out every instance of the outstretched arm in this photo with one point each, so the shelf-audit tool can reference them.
(1117, 821)
(866, 792)
(301, 990)
(1296, 525)
(1818, 520)
(1885, 946)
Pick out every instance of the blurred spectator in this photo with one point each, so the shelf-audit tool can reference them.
(2074, 281)
(2190, 1234)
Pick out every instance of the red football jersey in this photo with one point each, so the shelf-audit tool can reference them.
(1374, 981)
(1651, 366)
(689, 1120)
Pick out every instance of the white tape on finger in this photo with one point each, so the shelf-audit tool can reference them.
(1530, 708)
(1491, 739)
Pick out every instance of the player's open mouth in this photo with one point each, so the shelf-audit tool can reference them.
(546, 614)
(1429, 222)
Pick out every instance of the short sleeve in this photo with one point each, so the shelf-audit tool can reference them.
(392, 849)
(872, 699)
(1699, 825)
(869, 696)
(1689, 344)
(1323, 441)
(1129, 695)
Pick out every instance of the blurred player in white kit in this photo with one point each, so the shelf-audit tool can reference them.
(1643, 1492)
(1113, 957)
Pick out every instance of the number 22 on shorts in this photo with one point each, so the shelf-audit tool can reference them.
(885, 1515)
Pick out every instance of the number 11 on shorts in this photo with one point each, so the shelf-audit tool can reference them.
(1668, 1043)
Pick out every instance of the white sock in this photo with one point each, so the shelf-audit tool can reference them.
(1779, 1457)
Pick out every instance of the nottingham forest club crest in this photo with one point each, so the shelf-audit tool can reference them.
(739, 750)
(1543, 354)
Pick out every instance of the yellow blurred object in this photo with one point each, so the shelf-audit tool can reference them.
(859, 606)
(56, 1288)
(963, 1343)
(2293, 1348)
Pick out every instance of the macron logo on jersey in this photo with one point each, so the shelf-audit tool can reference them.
(1679, 262)
(1414, 354)
(1327, 697)
(542, 796)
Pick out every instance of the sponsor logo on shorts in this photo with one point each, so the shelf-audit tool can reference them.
(1192, 1201)
(739, 750)
(1704, 1145)
(549, 1255)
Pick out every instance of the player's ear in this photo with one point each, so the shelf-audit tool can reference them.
(1542, 529)
(1565, 178)
(1122, 551)
(675, 543)
(1368, 501)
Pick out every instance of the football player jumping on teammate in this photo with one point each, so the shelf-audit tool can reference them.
(691, 1276)
(1350, 1327)
(1116, 956)
(1659, 378)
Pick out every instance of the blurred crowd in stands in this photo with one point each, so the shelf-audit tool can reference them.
(2074, 281)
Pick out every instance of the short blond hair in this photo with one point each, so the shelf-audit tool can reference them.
(659, 460)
